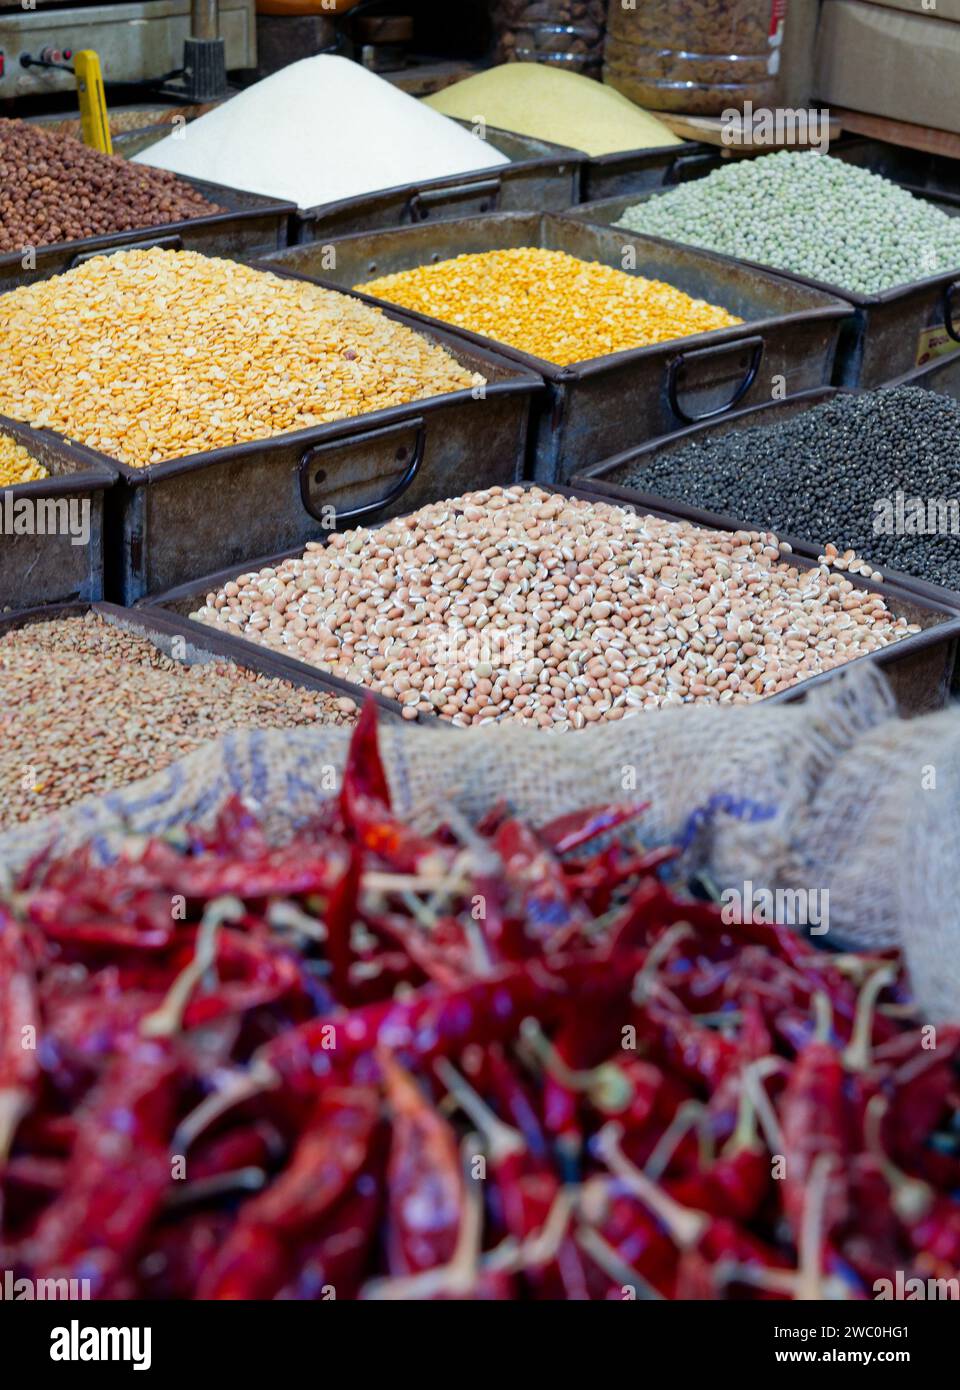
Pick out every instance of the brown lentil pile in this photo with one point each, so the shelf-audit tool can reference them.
(17, 465)
(149, 355)
(55, 189)
(88, 706)
(521, 604)
(550, 304)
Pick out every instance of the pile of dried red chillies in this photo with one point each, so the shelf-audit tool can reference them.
(489, 1063)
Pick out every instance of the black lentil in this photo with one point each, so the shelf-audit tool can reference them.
(864, 472)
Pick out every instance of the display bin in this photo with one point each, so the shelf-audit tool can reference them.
(249, 226)
(171, 521)
(46, 568)
(919, 667)
(640, 171)
(540, 177)
(941, 375)
(600, 406)
(192, 644)
(606, 474)
(887, 333)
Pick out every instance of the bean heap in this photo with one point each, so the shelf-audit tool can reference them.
(17, 465)
(834, 473)
(520, 604)
(148, 355)
(55, 189)
(88, 706)
(809, 214)
(550, 304)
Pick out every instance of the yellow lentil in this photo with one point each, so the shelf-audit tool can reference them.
(549, 303)
(148, 355)
(17, 465)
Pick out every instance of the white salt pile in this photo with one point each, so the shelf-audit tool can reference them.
(320, 130)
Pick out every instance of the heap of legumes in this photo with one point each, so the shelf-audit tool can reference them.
(878, 474)
(550, 104)
(89, 706)
(55, 189)
(149, 355)
(809, 214)
(17, 465)
(320, 130)
(549, 303)
(515, 603)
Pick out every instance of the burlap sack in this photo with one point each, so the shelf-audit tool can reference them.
(823, 795)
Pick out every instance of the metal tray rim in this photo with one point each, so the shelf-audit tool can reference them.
(945, 628)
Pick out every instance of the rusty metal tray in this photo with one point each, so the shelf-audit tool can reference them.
(250, 225)
(637, 171)
(603, 475)
(194, 644)
(600, 406)
(540, 176)
(886, 333)
(38, 569)
(941, 374)
(919, 667)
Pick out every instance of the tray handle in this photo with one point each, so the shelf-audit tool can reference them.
(423, 200)
(688, 166)
(174, 242)
(312, 477)
(949, 295)
(681, 359)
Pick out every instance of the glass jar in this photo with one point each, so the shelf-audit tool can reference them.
(566, 33)
(701, 57)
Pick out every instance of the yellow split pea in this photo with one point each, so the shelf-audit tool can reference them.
(550, 304)
(150, 355)
(17, 465)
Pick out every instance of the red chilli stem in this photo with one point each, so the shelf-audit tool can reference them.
(912, 1198)
(167, 1020)
(858, 1054)
(686, 1225)
(502, 1140)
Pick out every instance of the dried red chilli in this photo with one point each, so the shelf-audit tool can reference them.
(289, 1073)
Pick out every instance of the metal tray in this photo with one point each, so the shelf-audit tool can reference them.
(37, 569)
(195, 645)
(540, 176)
(942, 375)
(919, 667)
(886, 333)
(638, 171)
(250, 226)
(600, 406)
(169, 522)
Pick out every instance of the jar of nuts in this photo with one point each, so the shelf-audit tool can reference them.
(566, 33)
(701, 57)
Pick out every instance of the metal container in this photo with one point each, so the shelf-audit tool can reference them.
(919, 667)
(941, 375)
(600, 406)
(915, 170)
(639, 171)
(58, 555)
(540, 176)
(171, 521)
(250, 226)
(888, 333)
(193, 644)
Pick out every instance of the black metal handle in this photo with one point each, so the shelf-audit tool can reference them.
(173, 242)
(423, 199)
(949, 295)
(312, 477)
(677, 363)
(685, 166)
